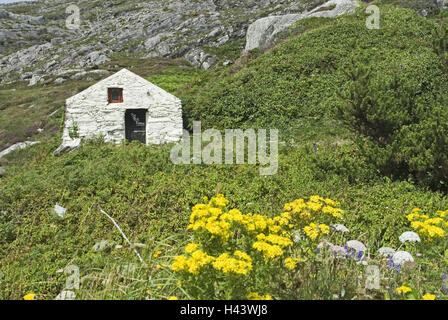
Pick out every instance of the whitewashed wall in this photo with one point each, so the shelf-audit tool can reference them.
(93, 115)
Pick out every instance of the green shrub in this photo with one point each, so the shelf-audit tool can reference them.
(400, 120)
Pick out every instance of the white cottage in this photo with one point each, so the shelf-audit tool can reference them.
(122, 106)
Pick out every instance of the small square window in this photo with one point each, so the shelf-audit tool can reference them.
(115, 95)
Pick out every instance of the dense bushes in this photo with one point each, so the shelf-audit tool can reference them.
(302, 76)
(400, 119)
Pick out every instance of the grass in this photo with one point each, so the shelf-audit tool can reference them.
(150, 199)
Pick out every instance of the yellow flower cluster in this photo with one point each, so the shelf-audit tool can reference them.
(269, 251)
(228, 264)
(403, 289)
(271, 245)
(192, 264)
(429, 296)
(291, 263)
(427, 227)
(219, 232)
(242, 264)
(313, 231)
(334, 212)
(256, 296)
(189, 248)
(275, 239)
(305, 210)
(157, 254)
(29, 296)
(211, 218)
(207, 217)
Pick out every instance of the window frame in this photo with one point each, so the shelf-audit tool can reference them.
(120, 95)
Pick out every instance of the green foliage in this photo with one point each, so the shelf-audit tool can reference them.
(150, 198)
(429, 8)
(174, 78)
(302, 76)
(229, 51)
(402, 119)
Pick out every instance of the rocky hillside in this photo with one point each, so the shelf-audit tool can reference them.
(38, 46)
(36, 43)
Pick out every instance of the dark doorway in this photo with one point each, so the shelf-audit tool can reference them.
(135, 123)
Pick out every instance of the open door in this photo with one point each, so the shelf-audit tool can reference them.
(135, 124)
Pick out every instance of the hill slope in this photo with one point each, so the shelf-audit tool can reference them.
(303, 76)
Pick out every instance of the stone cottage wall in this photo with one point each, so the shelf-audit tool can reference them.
(89, 114)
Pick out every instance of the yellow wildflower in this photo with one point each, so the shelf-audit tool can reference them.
(314, 205)
(331, 202)
(316, 198)
(312, 231)
(291, 263)
(157, 254)
(403, 289)
(189, 248)
(429, 296)
(242, 255)
(324, 228)
(269, 251)
(279, 240)
(29, 296)
(219, 201)
(193, 264)
(227, 264)
(256, 296)
(335, 212)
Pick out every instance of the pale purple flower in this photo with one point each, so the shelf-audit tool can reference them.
(338, 251)
(386, 251)
(340, 228)
(409, 236)
(401, 257)
(356, 245)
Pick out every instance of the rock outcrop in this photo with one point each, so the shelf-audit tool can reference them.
(23, 18)
(263, 32)
(17, 146)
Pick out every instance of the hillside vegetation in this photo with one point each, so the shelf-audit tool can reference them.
(303, 75)
(300, 86)
(388, 86)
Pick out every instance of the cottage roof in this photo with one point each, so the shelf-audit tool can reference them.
(121, 79)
